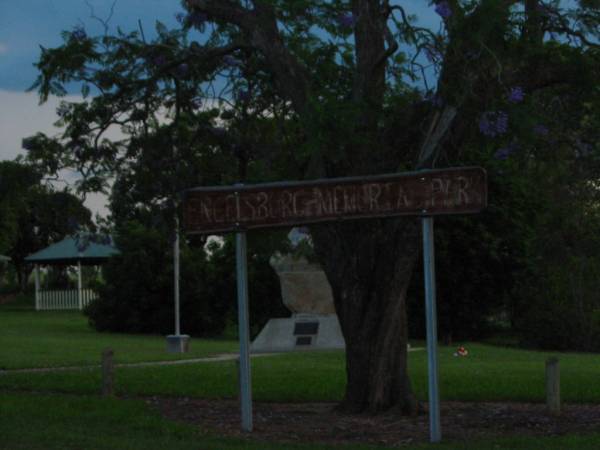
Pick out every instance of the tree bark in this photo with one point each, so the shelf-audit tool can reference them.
(369, 265)
(23, 273)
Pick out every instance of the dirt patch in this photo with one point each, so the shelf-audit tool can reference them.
(320, 422)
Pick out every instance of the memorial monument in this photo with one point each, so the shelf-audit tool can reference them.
(307, 294)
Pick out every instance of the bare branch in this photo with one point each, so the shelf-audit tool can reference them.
(431, 145)
(224, 10)
(260, 25)
(103, 22)
(392, 47)
(369, 79)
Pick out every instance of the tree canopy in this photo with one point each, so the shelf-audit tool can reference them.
(33, 214)
(249, 90)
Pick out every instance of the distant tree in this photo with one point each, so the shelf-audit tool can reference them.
(34, 215)
(15, 181)
(307, 89)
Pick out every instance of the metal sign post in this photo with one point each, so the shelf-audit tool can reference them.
(176, 276)
(241, 261)
(222, 209)
(435, 432)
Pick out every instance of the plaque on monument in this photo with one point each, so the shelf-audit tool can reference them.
(304, 328)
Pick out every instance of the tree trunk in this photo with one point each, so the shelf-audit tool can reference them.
(22, 276)
(369, 265)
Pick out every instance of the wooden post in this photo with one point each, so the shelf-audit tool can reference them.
(107, 372)
(553, 385)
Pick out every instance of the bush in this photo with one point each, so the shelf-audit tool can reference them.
(564, 308)
(471, 281)
(137, 294)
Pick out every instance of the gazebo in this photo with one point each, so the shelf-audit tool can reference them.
(69, 252)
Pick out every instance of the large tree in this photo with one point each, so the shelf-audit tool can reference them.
(303, 89)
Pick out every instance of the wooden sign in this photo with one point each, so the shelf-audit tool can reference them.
(423, 193)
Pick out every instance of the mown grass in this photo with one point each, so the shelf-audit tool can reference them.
(49, 422)
(61, 409)
(63, 338)
(487, 374)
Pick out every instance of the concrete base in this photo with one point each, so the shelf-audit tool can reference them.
(178, 343)
(300, 332)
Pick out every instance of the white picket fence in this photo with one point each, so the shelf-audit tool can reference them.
(65, 299)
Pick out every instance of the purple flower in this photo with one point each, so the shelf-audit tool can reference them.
(182, 70)
(159, 60)
(243, 95)
(431, 54)
(542, 10)
(541, 130)
(78, 34)
(516, 95)
(196, 103)
(435, 100)
(346, 20)
(493, 123)
(82, 242)
(443, 9)
(582, 149)
(504, 152)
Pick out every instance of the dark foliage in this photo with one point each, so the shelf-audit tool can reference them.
(137, 295)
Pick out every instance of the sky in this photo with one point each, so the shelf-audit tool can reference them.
(27, 24)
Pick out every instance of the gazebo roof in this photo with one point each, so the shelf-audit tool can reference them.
(67, 252)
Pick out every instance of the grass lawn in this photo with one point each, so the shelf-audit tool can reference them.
(61, 410)
(488, 374)
(52, 422)
(63, 338)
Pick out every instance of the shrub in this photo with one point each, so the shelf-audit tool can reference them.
(137, 294)
(564, 308)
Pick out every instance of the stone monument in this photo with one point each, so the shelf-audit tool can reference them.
(307, 294)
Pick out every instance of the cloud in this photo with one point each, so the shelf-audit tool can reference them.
(21, 116)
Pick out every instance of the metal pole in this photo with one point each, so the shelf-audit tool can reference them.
(244, 332)
(435, 432)
(176, 275)
(79, 285)
(37, 287)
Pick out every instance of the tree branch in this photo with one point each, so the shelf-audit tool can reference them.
(369, 81)
(431, 145)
